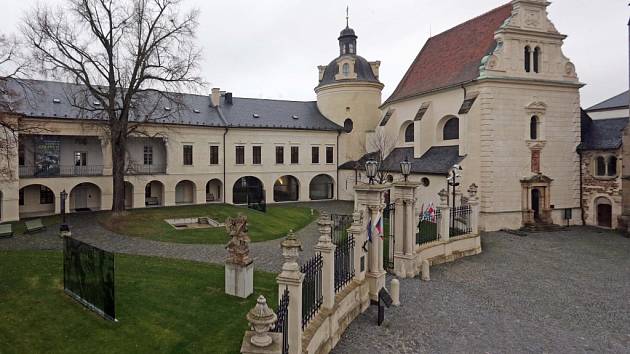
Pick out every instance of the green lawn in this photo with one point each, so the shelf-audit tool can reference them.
(162, 306)
(149, 223)
(48, 221)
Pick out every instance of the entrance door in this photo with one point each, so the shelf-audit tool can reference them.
(536, 203)
(604, 215)
(80, 198)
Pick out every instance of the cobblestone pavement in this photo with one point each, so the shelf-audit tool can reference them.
(560, 292)
(85, 227)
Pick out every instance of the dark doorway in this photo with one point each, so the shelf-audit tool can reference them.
(286, 189)
(604, 215)
(247, 190)
(536, 204)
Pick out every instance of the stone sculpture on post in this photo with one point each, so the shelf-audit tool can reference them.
(239, 267)
(259, 339)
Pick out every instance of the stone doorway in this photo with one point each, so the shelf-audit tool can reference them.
(536, 199)
(604, 215)
(536, 204)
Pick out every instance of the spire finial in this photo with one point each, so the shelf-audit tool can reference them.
(347, 15)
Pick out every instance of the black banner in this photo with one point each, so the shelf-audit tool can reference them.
(88, 277)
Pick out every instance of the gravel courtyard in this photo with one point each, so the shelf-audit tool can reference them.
(560, 292)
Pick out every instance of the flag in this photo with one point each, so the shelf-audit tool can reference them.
(379, 225)
(369, 229)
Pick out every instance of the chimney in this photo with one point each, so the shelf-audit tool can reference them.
(215, 97)
(228, 98)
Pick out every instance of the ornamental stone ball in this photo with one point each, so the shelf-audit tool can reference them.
(261, 318)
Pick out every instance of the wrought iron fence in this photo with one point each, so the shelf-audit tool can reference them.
(344, 262)
(388, 246)
(460, 221)
(60, 170)
(282, 324)
(312, 298)
(340, 225)
(428, 226)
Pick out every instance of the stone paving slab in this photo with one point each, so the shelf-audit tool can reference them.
(560, 292)
(84, 226)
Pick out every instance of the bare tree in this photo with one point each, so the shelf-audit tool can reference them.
(126, 54)
(380, 144)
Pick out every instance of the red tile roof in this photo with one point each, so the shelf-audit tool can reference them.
(452, 57)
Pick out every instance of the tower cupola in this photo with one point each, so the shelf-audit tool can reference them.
(347, 41)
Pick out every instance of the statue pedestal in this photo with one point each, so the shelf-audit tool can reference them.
(239, 279)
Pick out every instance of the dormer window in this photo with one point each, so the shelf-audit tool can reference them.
(346, 70)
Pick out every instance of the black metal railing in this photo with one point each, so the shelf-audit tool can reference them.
(460, 221)
(428, 226)
(282, 324)
(138, 169)
(340, 225)
(344, 262)
(60, 170)
(312, 298)
(389, 215)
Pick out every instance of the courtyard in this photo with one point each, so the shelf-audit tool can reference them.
(559, 292)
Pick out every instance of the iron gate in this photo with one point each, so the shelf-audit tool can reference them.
(388, 229)
(282, 323)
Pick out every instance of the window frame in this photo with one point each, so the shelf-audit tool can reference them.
(534, 127)
(213, 150)
(279, 155)
(46, 195)
(330, 149)
(605, 166)
(187, 154)
(147, 155)
(527, 56)
(315, 155)
(82, 158)
(448, 120)
(409, 138)
(239, 155)
(295, 154)
(256, 155)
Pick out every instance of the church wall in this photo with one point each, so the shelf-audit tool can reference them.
(600, 189)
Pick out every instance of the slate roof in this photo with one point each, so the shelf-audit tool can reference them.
(362, 68)
(622, 100)
(452, 57)
(50, 99)
(602, 134)
(437, 160)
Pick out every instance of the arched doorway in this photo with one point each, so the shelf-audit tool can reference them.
(248, 189)
(85, 197)
(128, 195)
(604, 212)
(185, 192)
(536, 203)
(213, 190)
(154, 193)
(286, 189)
(321, 187)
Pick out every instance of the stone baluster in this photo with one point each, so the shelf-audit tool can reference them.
(327, 249)
(291, 278)
(445, 216)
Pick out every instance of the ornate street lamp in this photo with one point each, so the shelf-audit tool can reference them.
(452, 182)
(64, 226)
(405, 168)
(371, 167)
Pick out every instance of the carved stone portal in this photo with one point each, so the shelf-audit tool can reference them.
(239, 268)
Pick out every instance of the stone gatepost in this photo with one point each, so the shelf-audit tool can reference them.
(444, 225)
(475, 208)
(369, 200)
(327, 249)
(259, 340)
(404, 195)
(291, 278)
(358, 230)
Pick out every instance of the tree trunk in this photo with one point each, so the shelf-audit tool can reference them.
(119, 142)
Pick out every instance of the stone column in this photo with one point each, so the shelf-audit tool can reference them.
(327, 250)
(106, 151)
(473, 201)
(291, 278)
(445, 216)
(405, 229)
(369, 199)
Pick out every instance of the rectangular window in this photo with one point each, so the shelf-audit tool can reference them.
(214, 154)
(240, 155)
(315, 154)
(148, 155)
(21, 155)
(46, 196)
(330, 154)
(21, 196)
(256, 155)
(279, 154)
(188, 155)
(295, 154)
(80, 158)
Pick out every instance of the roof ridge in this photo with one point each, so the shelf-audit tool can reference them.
(473, 19)
(272, 99)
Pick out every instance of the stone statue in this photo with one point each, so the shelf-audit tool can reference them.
(238, 246)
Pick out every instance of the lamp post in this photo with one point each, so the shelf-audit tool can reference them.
(405, 168)
(64, 226)
(371, 166)
(452, 182)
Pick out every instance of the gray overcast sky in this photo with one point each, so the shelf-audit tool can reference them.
(271, 49)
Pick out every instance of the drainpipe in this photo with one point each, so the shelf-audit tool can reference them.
(224, 164)
(338, 134)
(581, 192)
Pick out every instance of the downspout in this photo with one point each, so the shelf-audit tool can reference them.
(224, 164)
(581, 192)
(338, 134)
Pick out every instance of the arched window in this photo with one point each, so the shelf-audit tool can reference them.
(533, 128)
(537, 60)
(409, 135)
(451, 129)
(346, 69)
(528, 58)
(348, 125)
(600, 168)
(612, 166)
